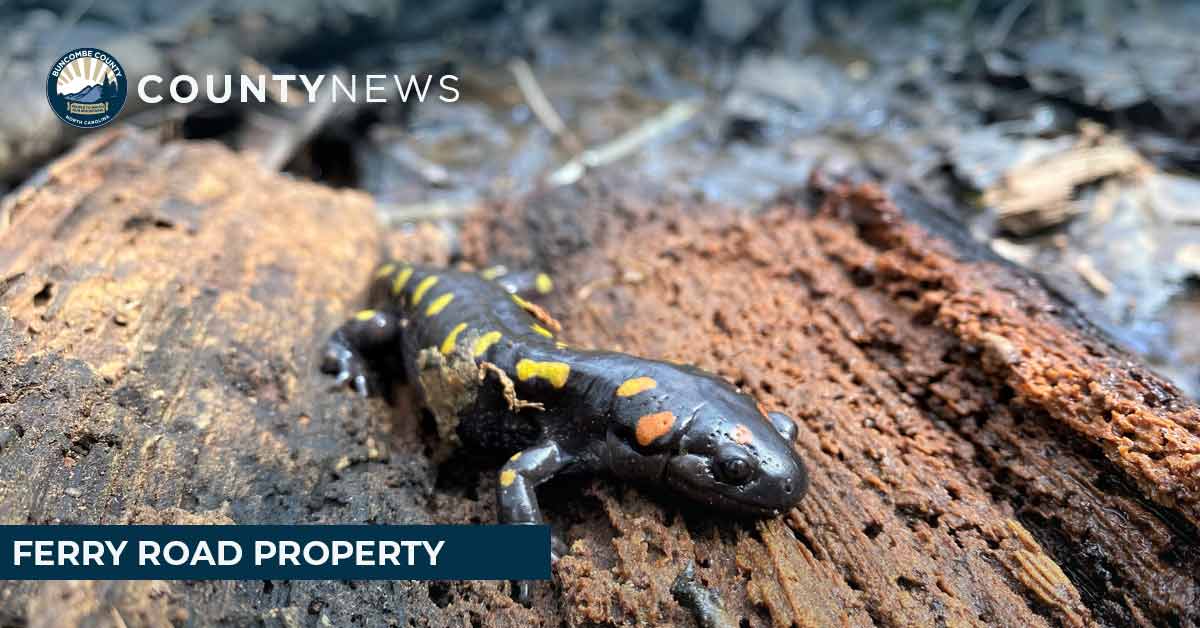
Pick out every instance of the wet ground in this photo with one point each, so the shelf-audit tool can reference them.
(1062, 146)
(1058, 133)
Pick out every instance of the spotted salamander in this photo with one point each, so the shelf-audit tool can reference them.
(488, 366)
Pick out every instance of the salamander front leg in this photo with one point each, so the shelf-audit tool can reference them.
(515, 497)
(363, 339)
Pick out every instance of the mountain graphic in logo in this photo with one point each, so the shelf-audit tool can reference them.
(86, 88)
(87, 94)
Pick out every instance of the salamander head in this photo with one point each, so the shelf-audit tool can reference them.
(732, 457)
(711, 443)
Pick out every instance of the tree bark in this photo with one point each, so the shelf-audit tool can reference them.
(979, 454)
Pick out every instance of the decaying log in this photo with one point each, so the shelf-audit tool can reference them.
(161, 314)
(980, 455)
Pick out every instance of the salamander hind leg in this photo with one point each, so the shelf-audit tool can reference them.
(360, 344)
(515, 497)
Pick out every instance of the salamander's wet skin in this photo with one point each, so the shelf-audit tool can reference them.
(487, 364)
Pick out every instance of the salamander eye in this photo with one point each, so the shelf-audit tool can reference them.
(734, 466)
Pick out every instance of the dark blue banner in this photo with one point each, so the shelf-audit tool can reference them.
(275, 552)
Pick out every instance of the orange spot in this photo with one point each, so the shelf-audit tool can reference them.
(653, 426)
(762, 408)
(539, 313)
(742, 434)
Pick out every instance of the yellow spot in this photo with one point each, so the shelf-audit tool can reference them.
(364, 315)
(422, 288)
(543, 284)
(561, 345)
(452, 337)
(631, 387)
(507, 477)
(485, 342)
(439, 304)
(515, 457)
(742, 434)
(385, 270)
(521, 302)
(554, 372)
(493, 272)
(401, 279)
(653, 426)
(541, 330)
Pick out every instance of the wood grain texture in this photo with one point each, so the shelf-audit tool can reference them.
(979, 455)
(161, 315)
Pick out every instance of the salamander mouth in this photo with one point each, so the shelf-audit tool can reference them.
(708, 495)
(732, 505)
(689, 474)
(745, 506)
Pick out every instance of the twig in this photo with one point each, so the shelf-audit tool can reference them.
(283, 145)
(625, 144)
(274, 137)
(1038, 195)
(516, 404)
(1004, 23)
(1086, 269)
(395, 214)
(540, 105)
(429, 171)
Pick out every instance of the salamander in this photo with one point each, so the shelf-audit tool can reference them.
(489, 366)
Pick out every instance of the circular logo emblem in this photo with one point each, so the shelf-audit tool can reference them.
(86, 88)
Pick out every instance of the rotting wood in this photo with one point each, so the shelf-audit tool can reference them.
(161, 315)
(980, 455)
(163, 308)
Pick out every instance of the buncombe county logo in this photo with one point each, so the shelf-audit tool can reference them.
(86, 88)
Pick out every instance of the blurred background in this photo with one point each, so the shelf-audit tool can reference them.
(1058, 133)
